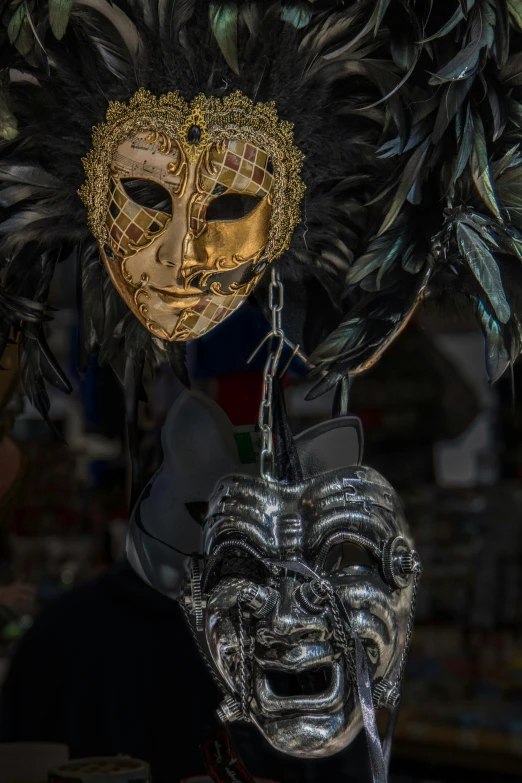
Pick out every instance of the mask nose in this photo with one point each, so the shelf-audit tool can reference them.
(178, 250)
(192, 259)
(170, 244)
(289, 623)
(176, 247)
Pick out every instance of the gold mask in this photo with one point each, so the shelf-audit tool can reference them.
(190, 203)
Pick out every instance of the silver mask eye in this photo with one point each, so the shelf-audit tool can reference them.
(344, 557)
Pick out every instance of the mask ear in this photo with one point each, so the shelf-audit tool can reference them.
(334, 444)
(199, 448)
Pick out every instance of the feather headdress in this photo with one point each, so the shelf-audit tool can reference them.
(409, 119)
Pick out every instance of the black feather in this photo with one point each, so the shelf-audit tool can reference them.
(409, 115)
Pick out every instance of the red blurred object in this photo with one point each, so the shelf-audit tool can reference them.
(239, 394)
(371, 419)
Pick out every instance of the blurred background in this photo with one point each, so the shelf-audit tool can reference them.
(450, 443)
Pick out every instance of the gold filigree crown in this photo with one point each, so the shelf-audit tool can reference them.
(196, 125)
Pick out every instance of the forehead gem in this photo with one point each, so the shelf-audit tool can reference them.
(194, 134)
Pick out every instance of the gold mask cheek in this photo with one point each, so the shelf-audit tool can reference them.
(116, 271)
(146, 275)
(160, 318)
(139, 268)
(136, 271)
(130, 276)
(228, 244)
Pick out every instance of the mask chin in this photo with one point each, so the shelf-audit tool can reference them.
(315, 732)
(312, 736)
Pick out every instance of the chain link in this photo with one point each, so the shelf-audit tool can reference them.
(204, 656)
(277, 340)
(409, 630)
(339, 631)
(243, 679)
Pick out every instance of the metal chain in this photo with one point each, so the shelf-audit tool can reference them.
(339, 630)
(409, 630)
(276, 345)
(243, 684)
(206, 661)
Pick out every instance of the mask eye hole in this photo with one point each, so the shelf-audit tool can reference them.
(231, 206)
(345, 556)
(148, 194)
(238, 564)
(242, 565)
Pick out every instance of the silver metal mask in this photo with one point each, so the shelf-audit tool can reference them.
(272, 624)
(306, 591)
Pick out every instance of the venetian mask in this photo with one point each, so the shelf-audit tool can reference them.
(295, 576)
(189, 204)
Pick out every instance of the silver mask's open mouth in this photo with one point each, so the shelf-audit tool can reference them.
(307, 688)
